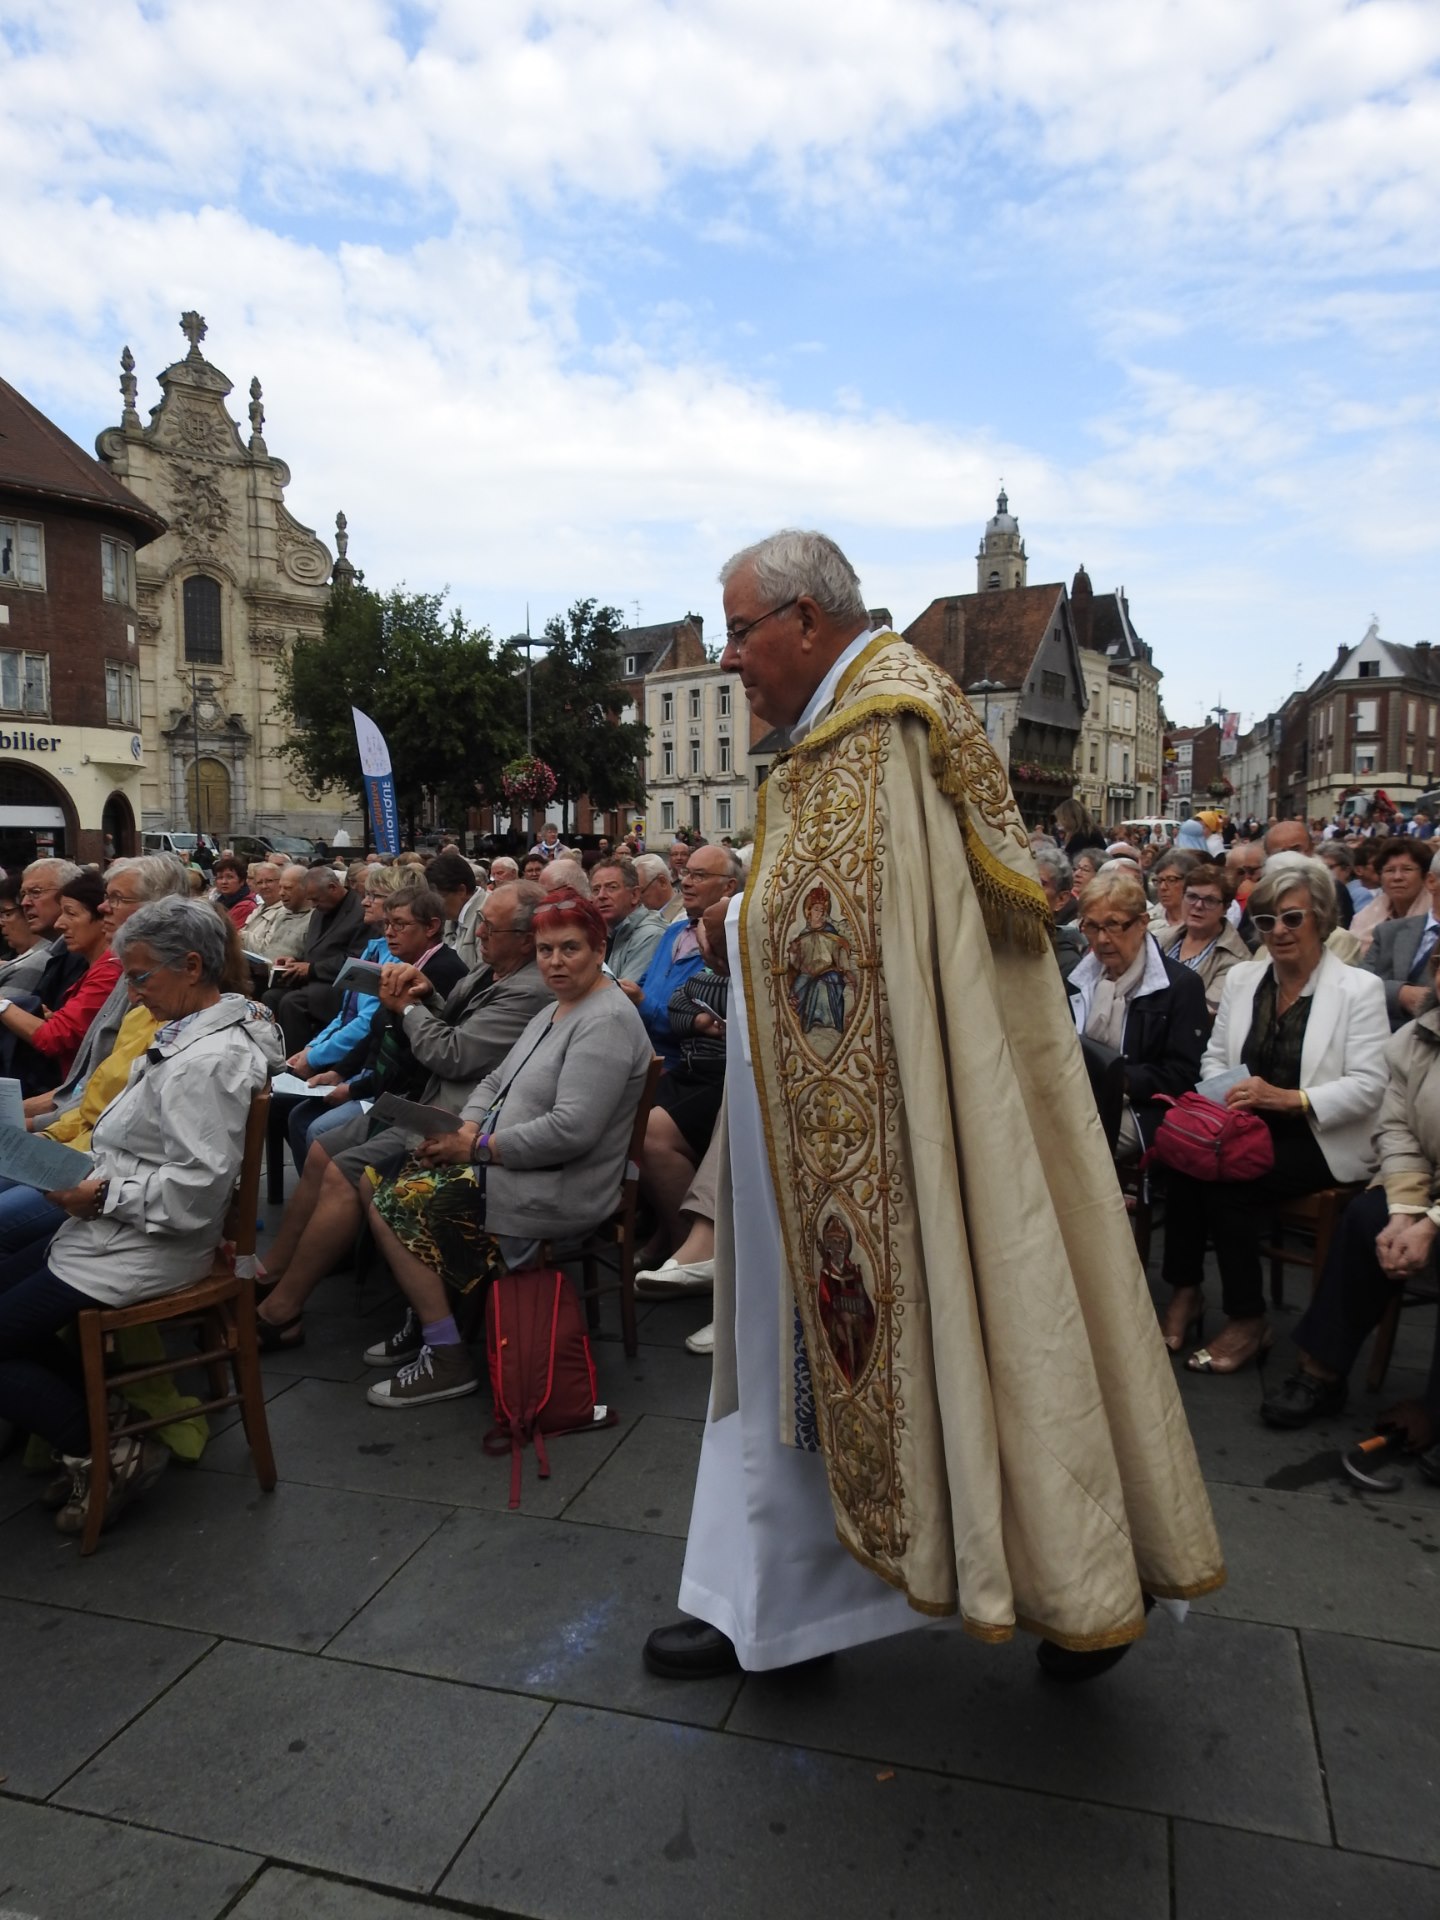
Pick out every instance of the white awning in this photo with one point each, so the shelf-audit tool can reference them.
(31, 816)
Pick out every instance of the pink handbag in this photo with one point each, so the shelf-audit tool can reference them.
(1211, 1142)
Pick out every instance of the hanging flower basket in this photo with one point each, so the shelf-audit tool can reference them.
(528, 782)
(1035, 773)
(1220, 789)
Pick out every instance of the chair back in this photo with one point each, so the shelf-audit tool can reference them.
(635, 1152)
(243, 1212)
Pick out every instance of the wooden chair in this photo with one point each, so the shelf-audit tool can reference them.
(1313, 1216)
(277, 1146)
(617, 1232)
(221, 1307)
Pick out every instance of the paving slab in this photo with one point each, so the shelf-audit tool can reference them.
(664, 1380)
(69, 1682)
(666, 1820)
(334, 1348)
(1351, 1562)
(1377, 1708)
(280, 1894)
(330, 1436)
(1209, 1718)
(539, 1606)
(378, 1775)
(669, 1323)
(1221, 1874)
(210, 1552)
(17, 1488)
(648, 1483)
(66, 1866)
(1236, 1448)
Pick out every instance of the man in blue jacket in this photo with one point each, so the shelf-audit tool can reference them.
(711, 874)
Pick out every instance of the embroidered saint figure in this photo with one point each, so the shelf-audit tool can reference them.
(819, 968)
(847, 1312)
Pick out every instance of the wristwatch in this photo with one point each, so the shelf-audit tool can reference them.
(102, 1194)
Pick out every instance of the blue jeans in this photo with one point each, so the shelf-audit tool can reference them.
(41, 1382)
(25, 1216)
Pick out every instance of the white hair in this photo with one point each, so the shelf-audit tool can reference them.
(792, 563)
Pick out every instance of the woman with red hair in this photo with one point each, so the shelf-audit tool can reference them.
(539, 1155)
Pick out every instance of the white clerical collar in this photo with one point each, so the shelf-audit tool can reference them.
(824, 694)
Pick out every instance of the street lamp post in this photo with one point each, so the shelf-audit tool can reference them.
(527, 641)
(985, 688)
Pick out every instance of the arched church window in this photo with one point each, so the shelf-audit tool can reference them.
(201, 600)
(994, 579)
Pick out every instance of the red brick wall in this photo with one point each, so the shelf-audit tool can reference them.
(70, 621)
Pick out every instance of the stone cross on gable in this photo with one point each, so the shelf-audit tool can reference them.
(192, 325)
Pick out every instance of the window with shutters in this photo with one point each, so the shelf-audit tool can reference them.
(22, 554)
(122, 694)
(24, 682)
(116, 572)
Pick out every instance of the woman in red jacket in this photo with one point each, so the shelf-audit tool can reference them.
(56, 1036)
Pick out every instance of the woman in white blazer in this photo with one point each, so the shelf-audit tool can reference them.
(1312, 1033)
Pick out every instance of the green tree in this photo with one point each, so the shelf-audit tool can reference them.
(446, 699)
(579, 701)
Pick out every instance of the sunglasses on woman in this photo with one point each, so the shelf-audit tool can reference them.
(1291, 918)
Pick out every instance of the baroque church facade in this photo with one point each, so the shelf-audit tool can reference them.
(220, 596)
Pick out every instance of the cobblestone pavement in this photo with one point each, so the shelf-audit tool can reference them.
(376, 1694)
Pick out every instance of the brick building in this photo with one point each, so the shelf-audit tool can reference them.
(72, 757)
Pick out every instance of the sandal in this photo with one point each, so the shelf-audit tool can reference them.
(280, 1336)
(1205, 1360)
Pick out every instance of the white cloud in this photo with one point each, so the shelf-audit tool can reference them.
(357, 204)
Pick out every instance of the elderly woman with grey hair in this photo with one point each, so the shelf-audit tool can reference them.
(147, 1219)
(1167, 883)
(1301, 1037)
(1127, 996)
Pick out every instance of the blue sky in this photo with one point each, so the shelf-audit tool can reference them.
(576, 299)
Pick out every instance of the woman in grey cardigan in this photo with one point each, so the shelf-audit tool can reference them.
(540, 1154)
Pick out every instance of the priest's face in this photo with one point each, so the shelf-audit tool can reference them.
(771, 647)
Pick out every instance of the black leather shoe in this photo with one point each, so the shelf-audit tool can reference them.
(1064, 1663)
(690, 1650)
(1301, 1399)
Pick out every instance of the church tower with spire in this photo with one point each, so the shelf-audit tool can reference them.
(1001, 559)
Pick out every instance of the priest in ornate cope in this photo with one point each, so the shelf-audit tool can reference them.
(940, 1388)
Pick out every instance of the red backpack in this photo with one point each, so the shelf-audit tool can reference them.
(541, 1370)
(1211, 1142)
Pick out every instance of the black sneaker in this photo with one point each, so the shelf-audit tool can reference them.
(403, 1344)
(1301, 1399)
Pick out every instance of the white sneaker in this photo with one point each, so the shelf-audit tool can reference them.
(702, 1341)
(673, 1277)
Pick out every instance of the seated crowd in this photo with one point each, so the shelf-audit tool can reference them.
(525, 1004)
(1326, 1034)
(140, 1014)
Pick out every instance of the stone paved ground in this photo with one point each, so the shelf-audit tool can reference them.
(376, 1694)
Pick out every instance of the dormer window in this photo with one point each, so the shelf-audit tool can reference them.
(630, 666)
(1369, 669)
